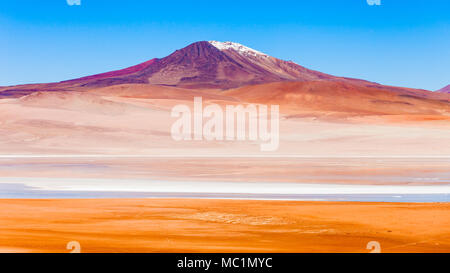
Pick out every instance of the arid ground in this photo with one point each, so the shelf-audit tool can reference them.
(189, 225)
(136, 119)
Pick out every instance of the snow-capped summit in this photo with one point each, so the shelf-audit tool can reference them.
(237, 47)
(207, 65)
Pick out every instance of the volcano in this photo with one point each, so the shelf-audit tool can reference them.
(217, 65)
(201, 65)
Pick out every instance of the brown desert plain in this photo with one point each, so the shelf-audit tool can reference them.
(333, 131)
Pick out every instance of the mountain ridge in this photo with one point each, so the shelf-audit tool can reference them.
(444, 89)
(208, 65)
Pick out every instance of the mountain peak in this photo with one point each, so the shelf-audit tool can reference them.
(241, 49)
(206, 65)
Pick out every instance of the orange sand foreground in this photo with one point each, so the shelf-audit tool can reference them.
(188, 225)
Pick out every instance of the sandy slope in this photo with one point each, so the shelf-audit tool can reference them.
(186, 225)
(345, 99)
(135, 119)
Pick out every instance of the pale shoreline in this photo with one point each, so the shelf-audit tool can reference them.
(139, 188)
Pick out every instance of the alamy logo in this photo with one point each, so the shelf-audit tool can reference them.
(73, 2)
(230, 125)
(374, 2)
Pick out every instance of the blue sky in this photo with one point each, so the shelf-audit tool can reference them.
(400, 42)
